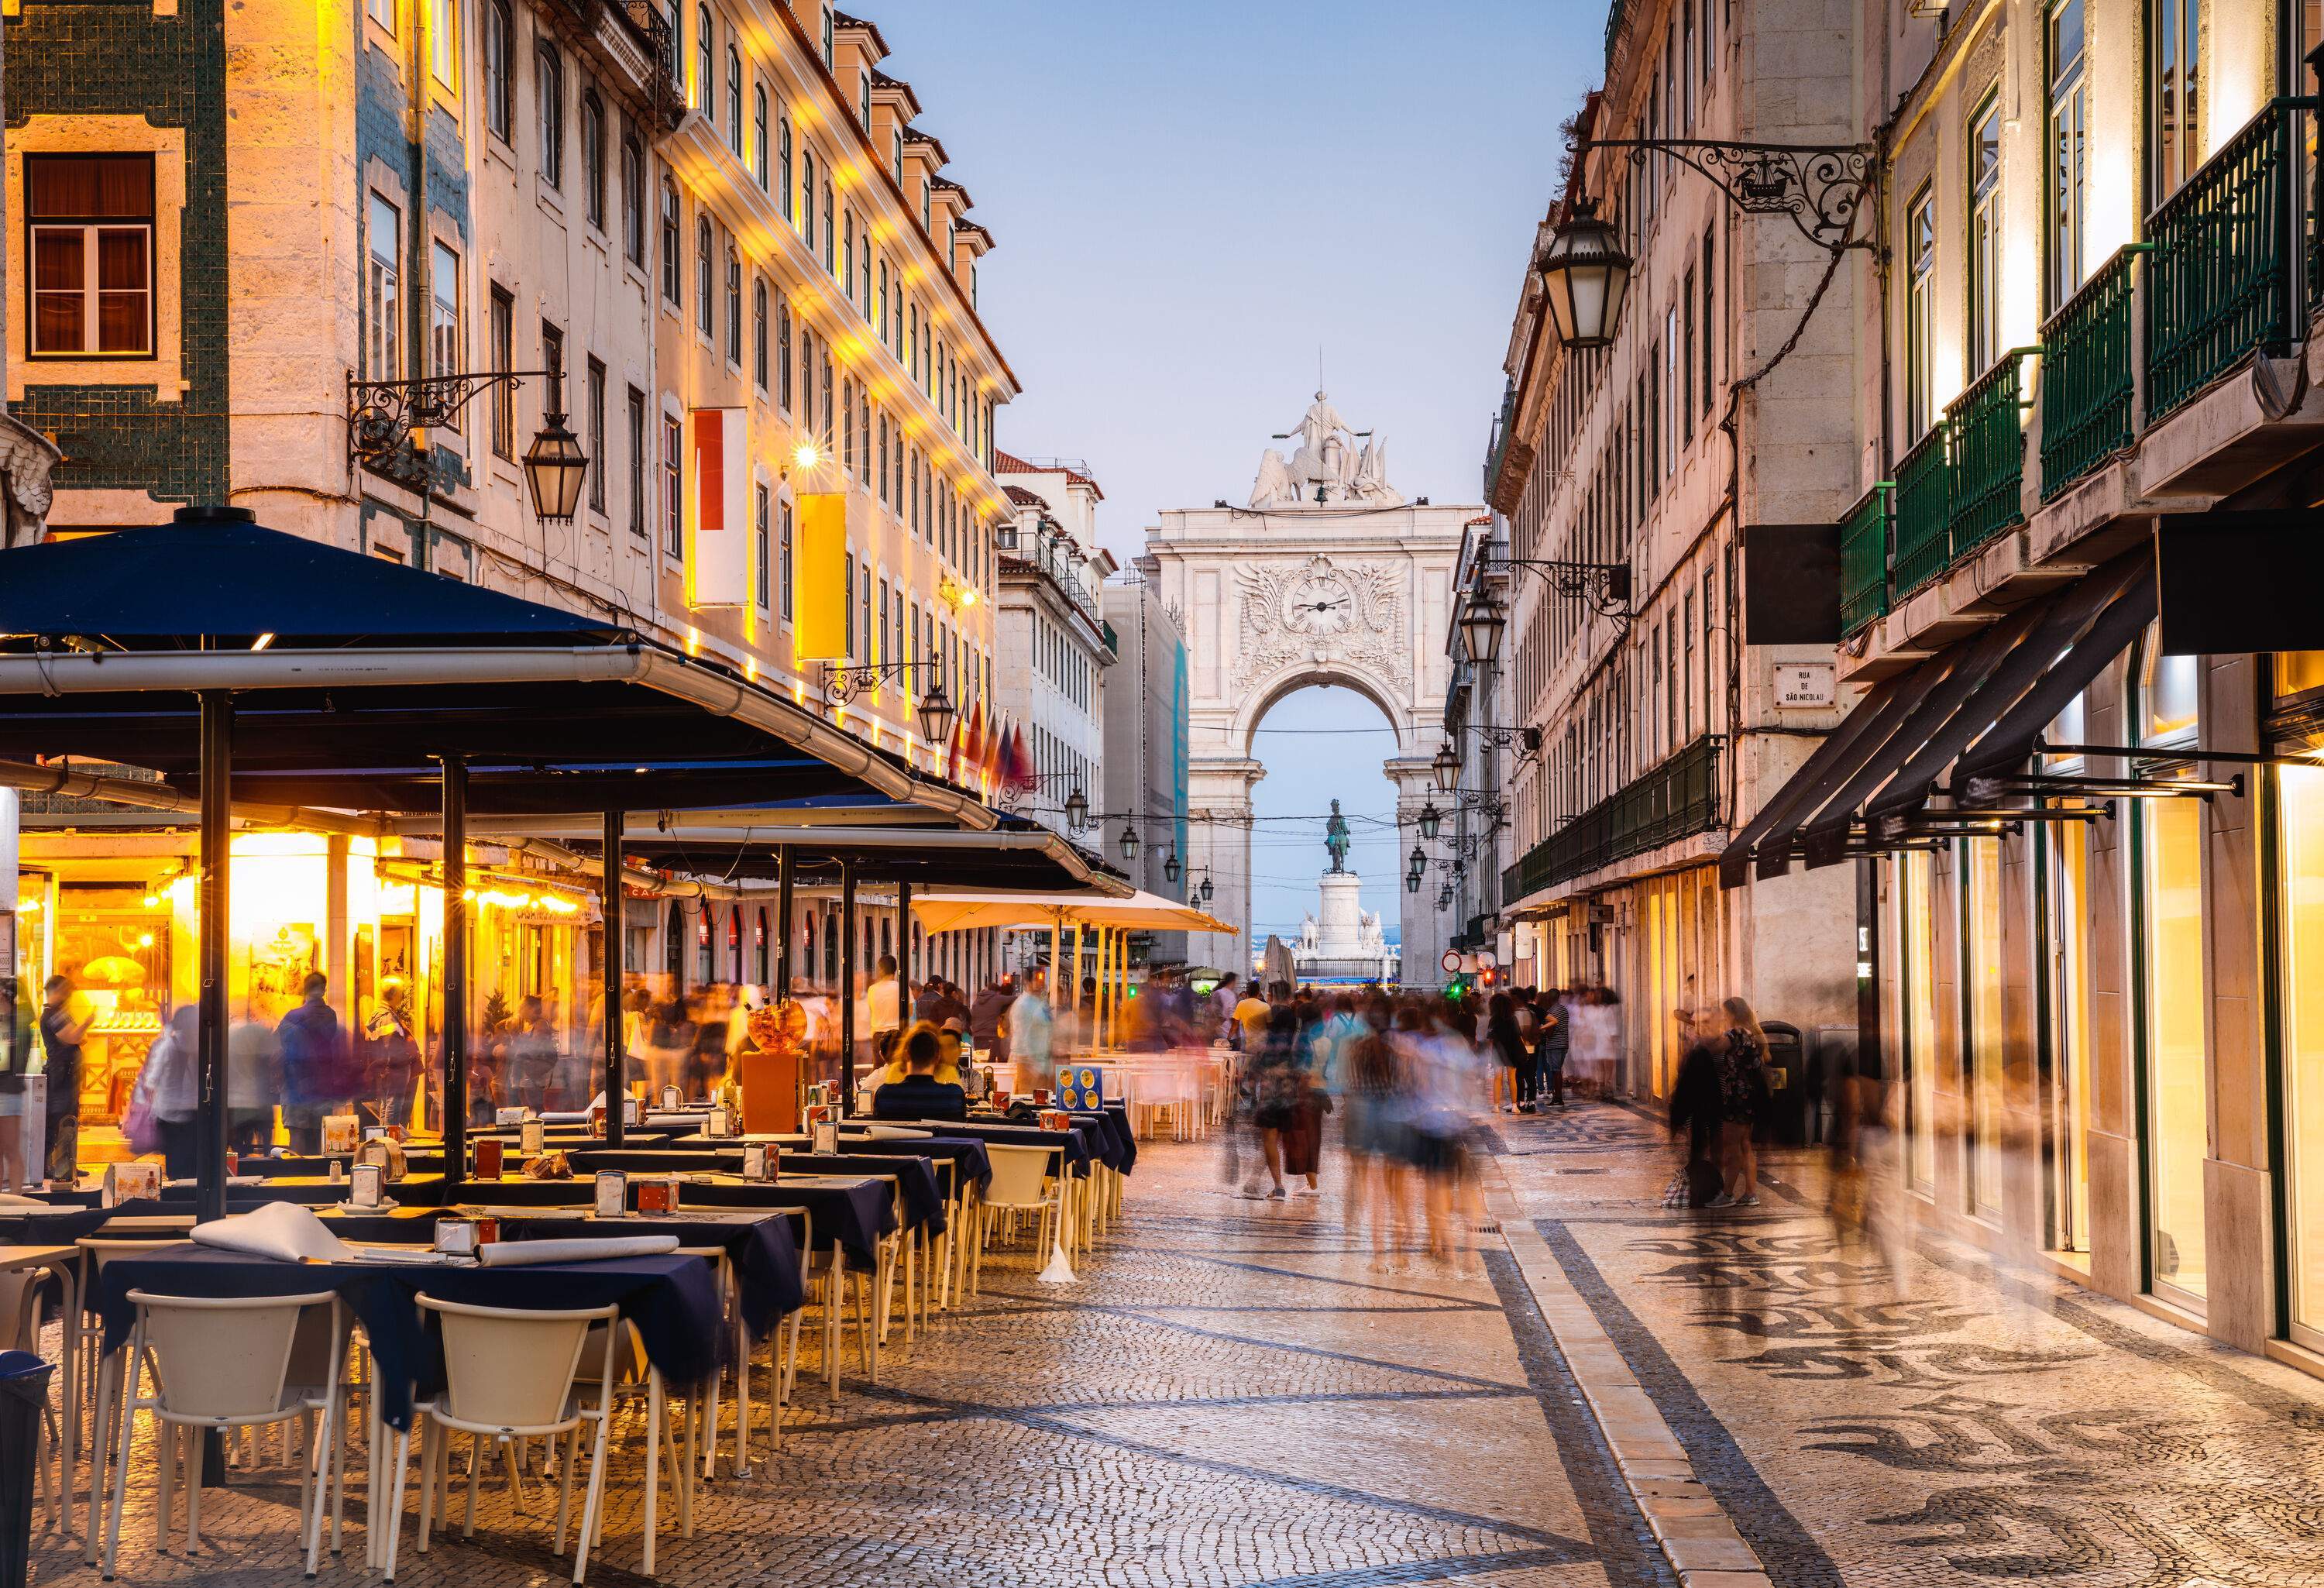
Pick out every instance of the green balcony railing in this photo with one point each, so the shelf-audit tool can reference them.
(2086, 379)
(1863, 559)
(2217, 285)
(1677, 800)
(1923, 514)
(1988, 454)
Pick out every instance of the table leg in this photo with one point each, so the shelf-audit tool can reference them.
(835, 1298)
(653, 1461)
(742, 1395)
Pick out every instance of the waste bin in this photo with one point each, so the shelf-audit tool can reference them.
(1787, 1089)
(24, 1393)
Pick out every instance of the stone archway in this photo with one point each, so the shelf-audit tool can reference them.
(1330, 576)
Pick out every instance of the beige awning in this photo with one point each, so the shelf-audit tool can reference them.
(956, 912)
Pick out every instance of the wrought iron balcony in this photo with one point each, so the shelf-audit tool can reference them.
(2217, 286)
(2087, 380)
(1676, 800)
(1986, 454)
(1923, 512)
(1864, 534)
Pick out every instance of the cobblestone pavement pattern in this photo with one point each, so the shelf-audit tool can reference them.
(1876, 1413)
(1230, 1395)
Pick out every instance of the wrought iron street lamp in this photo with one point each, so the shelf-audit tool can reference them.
(1431, 820)
(1077, 812)
(1446, 766)
(1412, 881)
(1419, 863)
(1170, 865)
(1129, 840)
(1206, 889)
(1585, 275)
(385, 417)
(1482, 623)
(936, 714)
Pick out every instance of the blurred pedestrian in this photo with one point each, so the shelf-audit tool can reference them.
(1553, 1044)
(314, 1058)
(1743, 1101)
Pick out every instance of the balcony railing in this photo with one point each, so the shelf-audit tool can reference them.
(1988, 454)
(2087, 385)
(1923, 512)
(1863, 559)
(2216, 287)
(1677, 800)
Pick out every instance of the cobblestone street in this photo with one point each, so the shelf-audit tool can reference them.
(1865, 1415)
(1232, 1394)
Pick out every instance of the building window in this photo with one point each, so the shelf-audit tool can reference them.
(444, 351)
(2068, 124)
(1920, 290)
(786, 555)
(830, 54)
(703, 279)
(827, 240)
(807, 198)
(593, 158)
(733, 309)
(672, 271)
(443, 44)
(759, 333)
(382, 12)
(761, 560)
(758, 137)
(503, 360)
(500, 70)
(673, 488)
(783, 354)
(2175, 62)
(1710, 322)
(706, 86)
(847, 256)
(595, 396)
(783, 171)
(384, 298)
(1984, 238)
(634, 200)
(551, 85)
(735, 100)
(636, 416)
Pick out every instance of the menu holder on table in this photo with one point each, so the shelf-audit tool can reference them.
(657, 1193)
(387, 1153)
(1055, 1119)
(365, 1188)
(612, 1194)
(126, 1181)
(463, 1237)
(719, 1124)
(513, 1116)
(672, 1098)
(532, 1137)
(342, 1134)
(759, 1161)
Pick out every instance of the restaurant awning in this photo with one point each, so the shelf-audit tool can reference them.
(1973, 708)
(1019, 855)
(353, 676)
(953, 912)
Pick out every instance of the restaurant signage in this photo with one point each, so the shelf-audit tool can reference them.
(718, 529)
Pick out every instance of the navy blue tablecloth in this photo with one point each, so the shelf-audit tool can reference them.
(1077, 1144)
(672, 1300)
(854, 1213)
(924, 1199)
(765, 1252)
(1117, 1147)
(965, 1153)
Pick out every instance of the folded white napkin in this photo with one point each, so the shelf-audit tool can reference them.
(10, 1199)
(503, 1254)
(281, 1230)
(896, 1134)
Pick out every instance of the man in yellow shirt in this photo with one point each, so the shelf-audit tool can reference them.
(1251, 1015)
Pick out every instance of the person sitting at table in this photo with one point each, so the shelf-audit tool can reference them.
(920, 1095)
(947, 1067)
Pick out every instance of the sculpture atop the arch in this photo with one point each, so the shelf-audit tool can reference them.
(1327, 466)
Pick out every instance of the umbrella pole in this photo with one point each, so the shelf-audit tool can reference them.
(903, 960)
(1055, 962)
(616, 1053)
(455, 972)
(1073, 994)
(846, 983)
(217, 838)
(787, 882)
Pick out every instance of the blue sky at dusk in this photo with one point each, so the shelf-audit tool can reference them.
(1189, 201)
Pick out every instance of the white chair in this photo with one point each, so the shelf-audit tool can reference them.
(226, 1364)
(510, 1375)
(1023, 1182)
(20, 1330)
(87, 1345)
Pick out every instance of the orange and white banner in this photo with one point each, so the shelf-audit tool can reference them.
(717, 508)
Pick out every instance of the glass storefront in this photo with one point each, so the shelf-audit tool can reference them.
(2067, 1095)
(1982, 1074)
(2177, 1080)
(1916, 940)
(2301, 799)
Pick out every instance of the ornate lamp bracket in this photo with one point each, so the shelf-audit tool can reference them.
(383, 415)
(1821, 186)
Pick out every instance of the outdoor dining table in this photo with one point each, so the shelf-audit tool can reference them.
(1078, 1144)
(922, 1199)
(971, 1164)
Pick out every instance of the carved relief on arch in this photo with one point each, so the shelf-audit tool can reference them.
(1322, 612)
